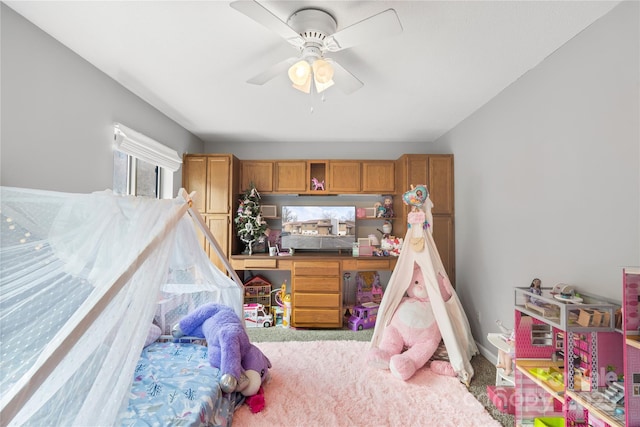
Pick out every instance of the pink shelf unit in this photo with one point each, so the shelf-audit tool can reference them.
(631, 282)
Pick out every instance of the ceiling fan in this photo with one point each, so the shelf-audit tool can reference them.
(313, 32)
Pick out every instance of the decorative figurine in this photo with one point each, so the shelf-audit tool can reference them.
(535, 288)
(388, 207)
(317, 185)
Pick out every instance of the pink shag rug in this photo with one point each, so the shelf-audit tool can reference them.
(328, 383)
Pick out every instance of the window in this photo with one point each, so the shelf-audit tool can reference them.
(141, 165)
(132, 176)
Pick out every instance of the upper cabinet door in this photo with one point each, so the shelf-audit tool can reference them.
(344, 177)
(440, 184)
(194, 178)
(258, 172)
(219, 183)
(291, 176)
(378, 176)
(436, 172)
(417, 171)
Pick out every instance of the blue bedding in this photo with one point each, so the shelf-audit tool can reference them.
(174, 385)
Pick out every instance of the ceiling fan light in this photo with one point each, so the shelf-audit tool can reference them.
(299, 73)
(322, 71)
(305, 86)
(320, 87)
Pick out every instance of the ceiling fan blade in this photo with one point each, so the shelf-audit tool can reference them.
(347, 82)
(383, 24)
(263, 16)
(274, 71)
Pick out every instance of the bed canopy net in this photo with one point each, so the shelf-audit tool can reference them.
(81, 279)
(420, 248)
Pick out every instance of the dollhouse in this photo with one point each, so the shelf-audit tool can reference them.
(570, 369)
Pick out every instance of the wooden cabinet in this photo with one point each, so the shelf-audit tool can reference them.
(218, 179)
(433, 170)
(194, 178)
(440, 179)
(378, 177)
(219, 185)
(337, 176)
(214, 178)
(443, 235)
(220, 226)
(290, 176)
(258, 172)
(316, 292)
(436, 172)
(343, 177)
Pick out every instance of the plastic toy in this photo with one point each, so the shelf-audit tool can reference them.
(413, 327)
(317, 185)
(388, 207)
(257, 316)
(283, 299)
(363, 316)
(243, 367)
(505, 359)
(416, 197)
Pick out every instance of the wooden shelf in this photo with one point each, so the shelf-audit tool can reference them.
(593, 402)
(524, 366)
(633, 341)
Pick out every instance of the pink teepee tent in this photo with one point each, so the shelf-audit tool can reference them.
(420, 248)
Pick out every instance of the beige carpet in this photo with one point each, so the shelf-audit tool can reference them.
(327, 383)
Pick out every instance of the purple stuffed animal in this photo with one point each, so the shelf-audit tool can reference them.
(243, 366)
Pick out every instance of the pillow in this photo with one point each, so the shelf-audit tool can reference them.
(154, 334)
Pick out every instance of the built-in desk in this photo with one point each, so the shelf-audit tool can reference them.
(347, 262)
(316, 287)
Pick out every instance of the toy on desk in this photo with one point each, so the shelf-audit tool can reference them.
(386, 229)
(384, 209)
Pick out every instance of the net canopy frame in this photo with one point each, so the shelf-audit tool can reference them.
(80, 280)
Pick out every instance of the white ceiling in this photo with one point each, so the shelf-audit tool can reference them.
(191, 60)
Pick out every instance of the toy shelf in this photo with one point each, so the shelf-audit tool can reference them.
(633, 341)
(551, 386)
(589, 314)
(563, 344)
(598, 405)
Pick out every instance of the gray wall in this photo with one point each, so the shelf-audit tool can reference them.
(58, 113)
(548, 175)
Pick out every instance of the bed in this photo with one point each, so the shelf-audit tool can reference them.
(174, 385)
(82, 278)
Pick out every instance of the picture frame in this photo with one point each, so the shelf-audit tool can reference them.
(269, 211)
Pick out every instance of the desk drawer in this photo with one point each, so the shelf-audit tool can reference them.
(367, 264)
(260, 263)
(301, 299)
(316, 268)
(317, 318)
(315, 284)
